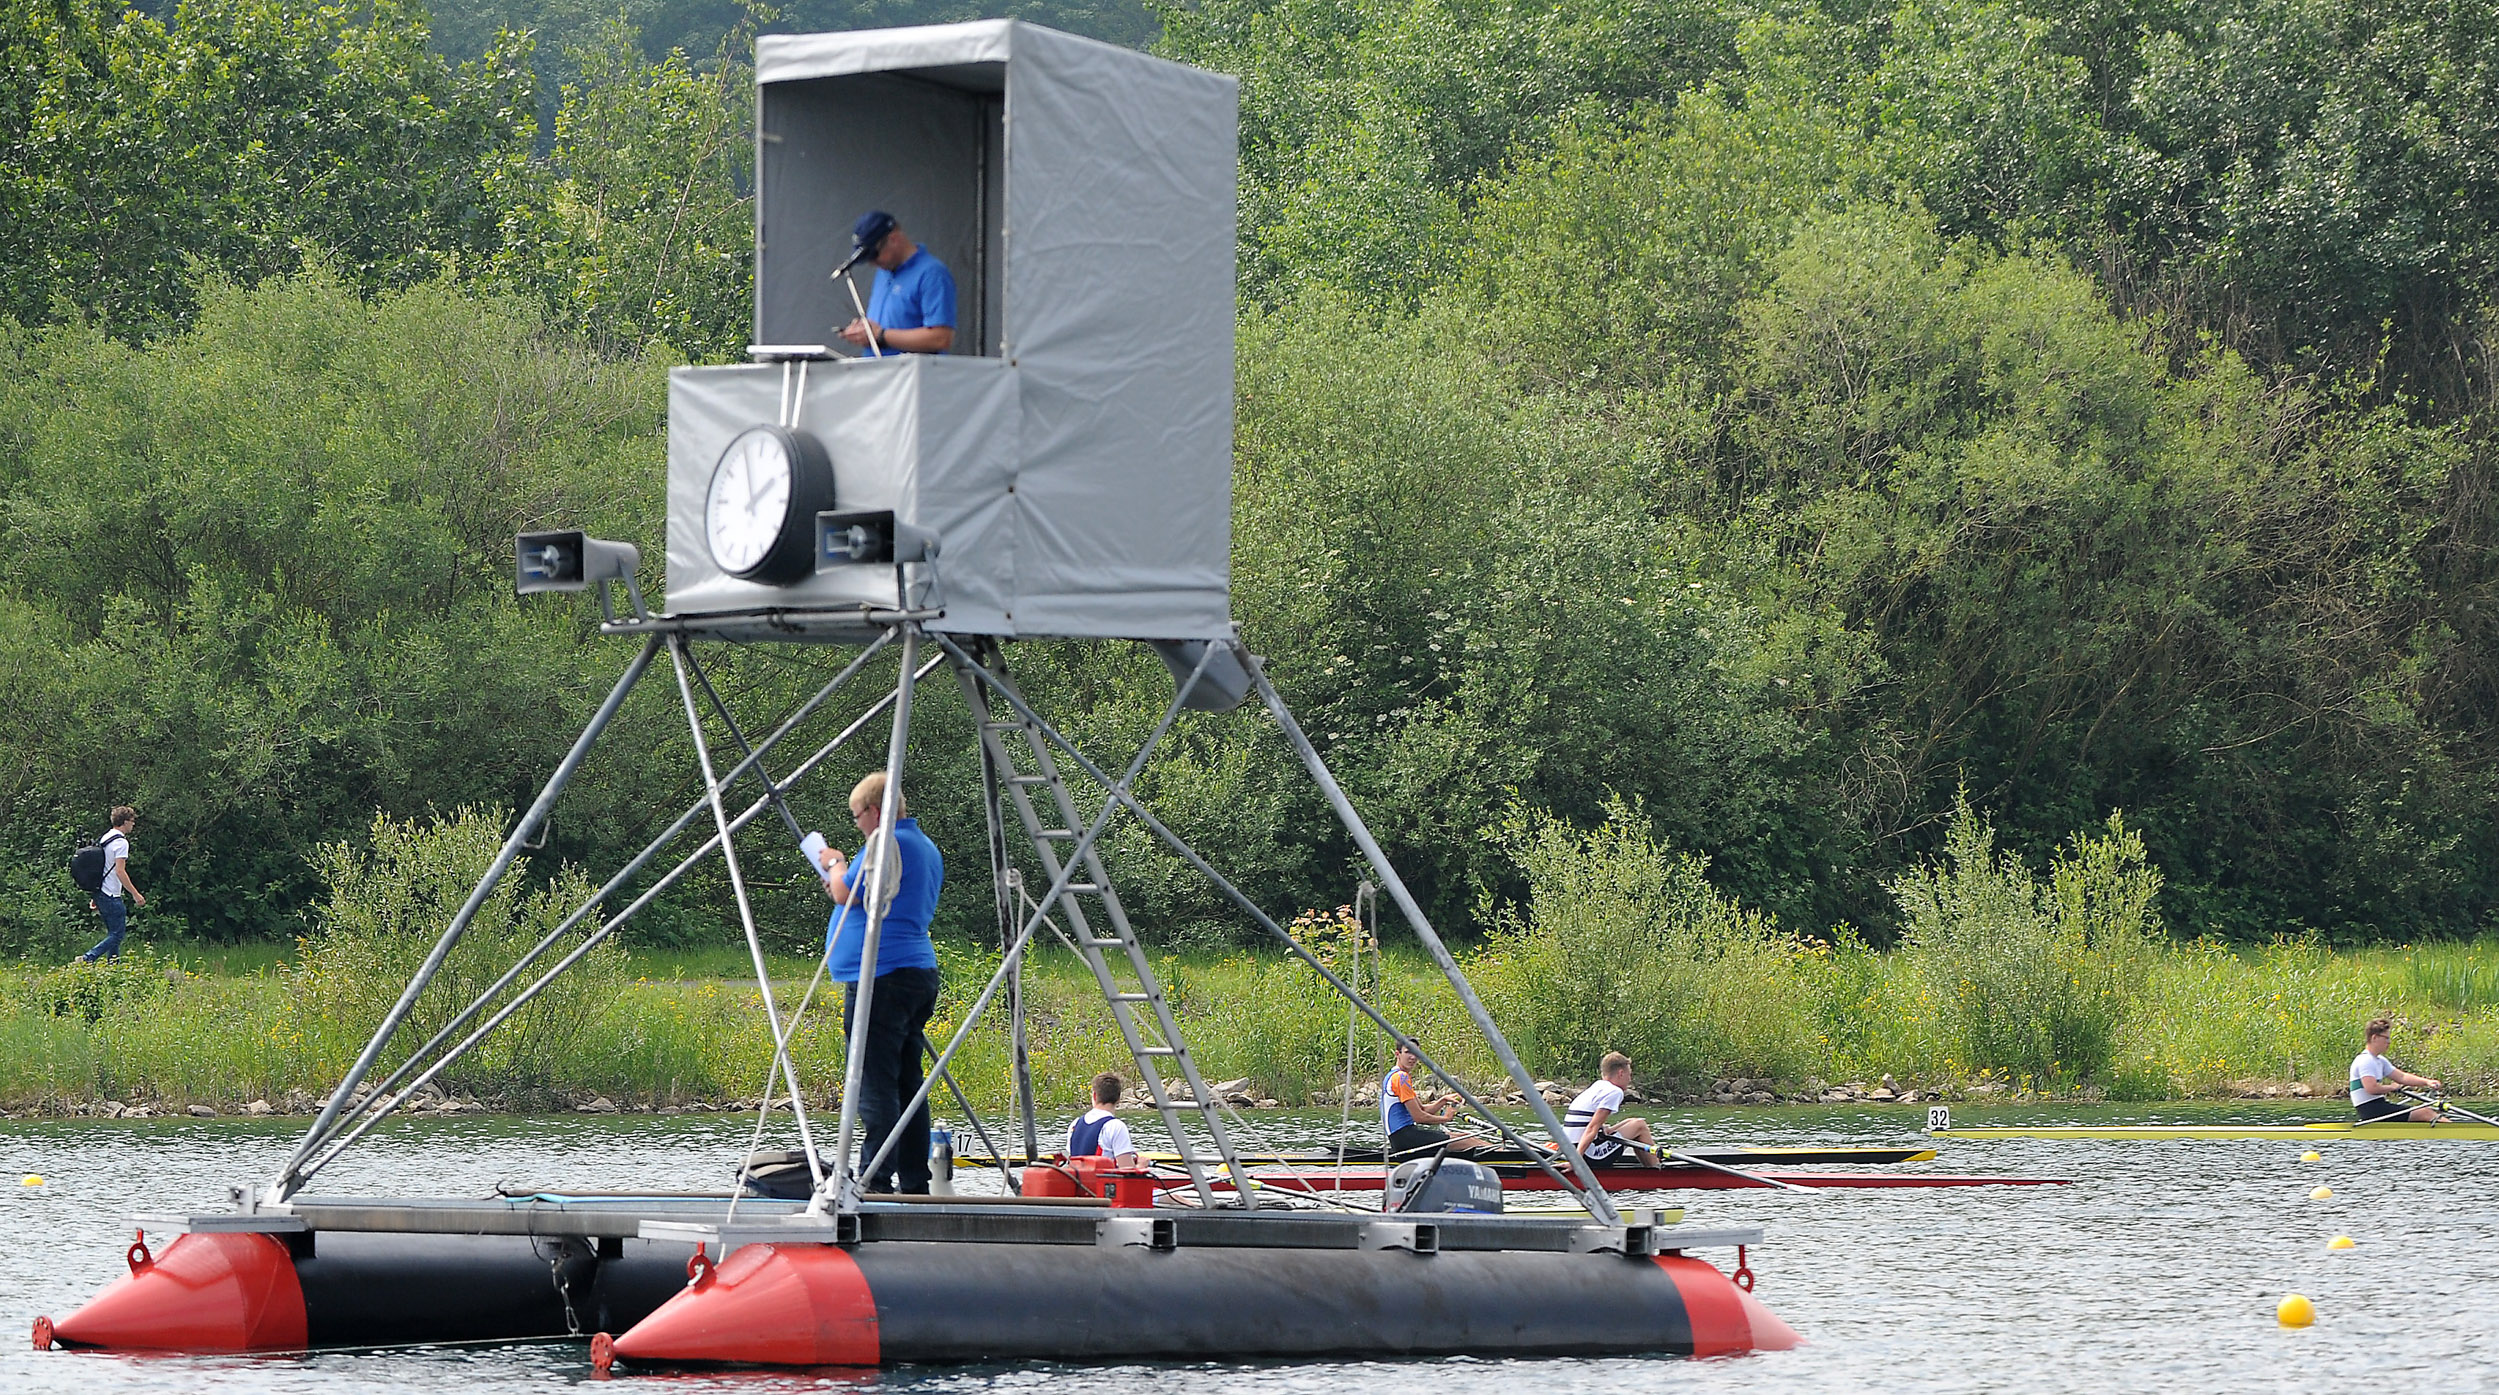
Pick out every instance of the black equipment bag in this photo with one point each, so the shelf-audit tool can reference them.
(86, 867)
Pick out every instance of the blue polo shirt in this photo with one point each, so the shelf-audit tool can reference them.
(919, 294)
(902, 942)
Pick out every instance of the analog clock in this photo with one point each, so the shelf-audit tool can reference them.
(759, 517)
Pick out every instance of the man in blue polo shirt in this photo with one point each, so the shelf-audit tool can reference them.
(906, 980)
(911, 310)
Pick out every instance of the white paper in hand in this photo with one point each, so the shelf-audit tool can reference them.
(813, 846)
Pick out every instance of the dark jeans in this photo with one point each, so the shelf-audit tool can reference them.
(890, 1074)
(116, 924)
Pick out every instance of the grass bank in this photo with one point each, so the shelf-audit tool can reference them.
(2054, 982)
(2205, 1023)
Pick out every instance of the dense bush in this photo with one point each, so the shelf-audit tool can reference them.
(1623, 945)
(255, 582)
(389, 897)
(1776, 418)
(2035, 984)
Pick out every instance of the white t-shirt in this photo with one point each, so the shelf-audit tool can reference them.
(2369, 1063)
(1605, 1095)
(1113, 1140)
(116, 845)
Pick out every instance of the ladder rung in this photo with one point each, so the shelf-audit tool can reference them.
(1132, 997)
(1055, 835)
(1154, 1051)
(1002, 726)
(1082, 889)
(1102, 944)
(1028, 780)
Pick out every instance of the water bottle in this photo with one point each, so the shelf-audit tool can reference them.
(941, 1162)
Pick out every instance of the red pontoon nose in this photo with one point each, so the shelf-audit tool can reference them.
(206, 1293)
(796, 1305)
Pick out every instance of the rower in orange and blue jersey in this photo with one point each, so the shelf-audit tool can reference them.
(1408, 1119)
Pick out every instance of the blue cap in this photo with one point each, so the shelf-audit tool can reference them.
(873, 227)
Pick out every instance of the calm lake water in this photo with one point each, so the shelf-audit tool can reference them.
(2158, 1269)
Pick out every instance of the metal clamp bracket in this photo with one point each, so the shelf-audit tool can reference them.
(223, 1223)
(1157, 1233)
(1422, 1237)
(1629, 1241)
(796, 1230)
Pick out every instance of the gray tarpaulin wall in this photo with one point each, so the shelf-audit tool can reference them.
(1074, 453)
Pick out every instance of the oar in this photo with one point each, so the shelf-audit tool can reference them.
(2444, 1107)
(1754, 1177)
(1730, 1171)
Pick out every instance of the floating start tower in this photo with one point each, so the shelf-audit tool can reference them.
(1063, 473)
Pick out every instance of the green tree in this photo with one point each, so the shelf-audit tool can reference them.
(245, 136)
(256, 578)
(640, 226)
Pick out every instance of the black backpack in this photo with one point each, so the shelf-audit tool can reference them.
(87, 865)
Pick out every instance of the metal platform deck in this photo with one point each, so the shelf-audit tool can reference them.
(706, 1220)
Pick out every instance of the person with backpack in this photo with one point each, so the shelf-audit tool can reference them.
(105, 895)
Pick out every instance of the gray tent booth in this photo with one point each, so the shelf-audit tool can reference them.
(1073, 455)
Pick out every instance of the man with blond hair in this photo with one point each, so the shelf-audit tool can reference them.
(906, 975)
(1593, 1120)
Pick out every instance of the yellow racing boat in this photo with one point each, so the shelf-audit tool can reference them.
(1939, 1125)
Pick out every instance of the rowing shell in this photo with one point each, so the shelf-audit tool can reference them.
(1633, 1179)
(2308, 1132)
(1730, 1157)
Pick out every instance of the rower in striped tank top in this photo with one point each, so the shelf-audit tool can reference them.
(1593, 1121)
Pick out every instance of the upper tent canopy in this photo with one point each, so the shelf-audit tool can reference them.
(1083, 197)
(1105, 217)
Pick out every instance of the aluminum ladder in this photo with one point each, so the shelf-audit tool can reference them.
(1029, 781)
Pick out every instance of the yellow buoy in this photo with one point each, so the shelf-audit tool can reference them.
(2321, 1194)
(2339, 1242)
(31, 1179)
(2311, 1155)
(2295, 1310)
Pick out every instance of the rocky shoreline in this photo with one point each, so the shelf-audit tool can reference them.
(1237, 1094)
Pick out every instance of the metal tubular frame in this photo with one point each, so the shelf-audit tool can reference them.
(1422, 927)
(1003, 883)
(1058, 889)
(789, 820)
(1587, 1191)
(1046, 813)
(746, 910)
(616, 922)
(843, 1187)
(879, 882)
(381, 1095)
(281, 1185)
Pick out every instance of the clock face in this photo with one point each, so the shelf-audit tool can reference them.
(749, 505)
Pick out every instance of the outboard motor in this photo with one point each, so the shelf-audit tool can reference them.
(1444, 1184)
